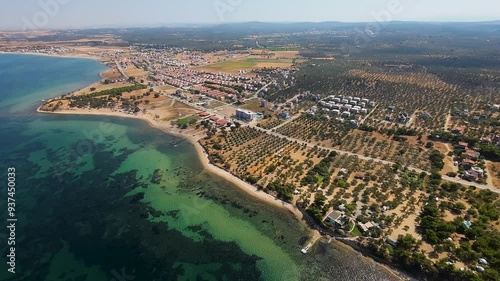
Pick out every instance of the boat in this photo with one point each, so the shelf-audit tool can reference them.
(304, 251)
(176, 142)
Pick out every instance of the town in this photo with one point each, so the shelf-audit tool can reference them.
(381, 153)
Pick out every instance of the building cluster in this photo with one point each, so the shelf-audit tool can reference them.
(212, 93)
(170, 56)
(50, 50)
(182, 77)
(221, 123)
(402, 117)
(179, 77)
(345, 106)
(469, 163)
(491, 140)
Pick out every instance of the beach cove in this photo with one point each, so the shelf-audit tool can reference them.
(226, 233)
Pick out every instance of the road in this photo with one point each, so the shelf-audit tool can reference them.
(118, 65)
(362, 157)
(343, 152)
(258, 92)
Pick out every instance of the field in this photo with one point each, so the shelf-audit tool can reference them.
(132, 71)
(494, 171)
(253, 105)
(369, 192)
(342, 136)
(234, 66)
(166, 88)
(187, 120)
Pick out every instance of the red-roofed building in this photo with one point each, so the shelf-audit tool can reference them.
(471, 154)
(458, 131)
(463, 145)
(222, 123)
(204, 114)
(467, 163)
(214, 118)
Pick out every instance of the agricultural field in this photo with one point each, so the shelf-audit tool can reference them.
(133, 71)
(370, 144)
(427, 94)
(396, 200)
(270, 123)
(247, 64)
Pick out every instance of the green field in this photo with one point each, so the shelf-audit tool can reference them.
(356, 232)
(232, 65)
(188, 120)
(252, 105)
(277, 49)
(249, 63)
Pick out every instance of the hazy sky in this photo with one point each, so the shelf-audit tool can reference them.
(40, 14)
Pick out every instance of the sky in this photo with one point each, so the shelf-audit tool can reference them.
(49, 14)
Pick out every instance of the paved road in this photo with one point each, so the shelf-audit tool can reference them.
(118, 65)
(362, 157)
(258, 92)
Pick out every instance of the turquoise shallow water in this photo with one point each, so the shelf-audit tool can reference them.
(100, 199)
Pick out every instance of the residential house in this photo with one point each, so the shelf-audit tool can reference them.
(359, 176)
(467, 164)
(474, 174)
(365, 227)
(204, 115)
(336, 218)
(222, 123)
(392, 242)
(462, 145)
(284, 115)
(470, 154)
(458, 130)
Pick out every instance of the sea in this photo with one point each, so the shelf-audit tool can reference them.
(102, 198)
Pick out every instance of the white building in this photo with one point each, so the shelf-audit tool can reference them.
(245, 115)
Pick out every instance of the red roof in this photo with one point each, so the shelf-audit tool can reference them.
(222, 123)
(464, 144)
(204, 114)
(468, 161)
(214, 118)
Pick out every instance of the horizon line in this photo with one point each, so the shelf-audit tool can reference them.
(201, 24)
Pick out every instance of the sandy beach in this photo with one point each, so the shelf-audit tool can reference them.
(70, 56)
(251, 190)
(169, 129)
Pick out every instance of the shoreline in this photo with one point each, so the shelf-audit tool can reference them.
(227, 176)
(202, 155)
(67, 56)
(209, 167)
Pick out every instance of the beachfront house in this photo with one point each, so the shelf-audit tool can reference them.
(336, 218)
